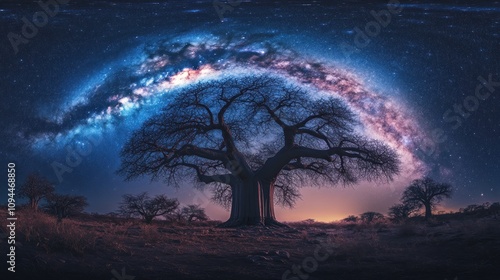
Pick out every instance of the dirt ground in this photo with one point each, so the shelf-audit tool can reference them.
(91, 247)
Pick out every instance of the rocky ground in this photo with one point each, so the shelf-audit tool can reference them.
(91, 247)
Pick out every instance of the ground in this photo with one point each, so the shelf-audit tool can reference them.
(98, 247)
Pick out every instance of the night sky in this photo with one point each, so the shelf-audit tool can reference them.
(425, 81)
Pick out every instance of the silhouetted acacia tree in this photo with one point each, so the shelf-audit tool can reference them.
(427, 193)
(402, 211)
(35, 188)
(472, 209)
(65, 205)
(494, 209)
(369, 217)
(194, 213)
(146, 207)
(175, 215)
(351, 219)
(187, 213)
(254, 139)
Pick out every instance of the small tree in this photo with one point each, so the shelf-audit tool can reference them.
(472, 209)
(146, 207)
(187, 213)
(194, 212)
(401, 212)
(369, 217)
(35, 189)
(175, 215)
(427, 193)
(351, 219)
(65, 205)
(494, 209)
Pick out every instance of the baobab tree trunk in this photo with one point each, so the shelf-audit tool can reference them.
(268, 204)
(34, 204)
(246, 205)
(252, 204)
(59, 216)
(148, 219)
(428, 211)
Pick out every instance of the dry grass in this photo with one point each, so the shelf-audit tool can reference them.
(47, 233)
(407, 230)
(189, 251)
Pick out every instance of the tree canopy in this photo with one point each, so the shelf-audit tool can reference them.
(254, 139)
(147, 207)
(63, 205)
(35, 188)
(369, 217)
(427, 193)
(402, 211)
(194, 213)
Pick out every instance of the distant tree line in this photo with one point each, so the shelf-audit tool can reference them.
(148, 208)
(421, 194)
(37, 189)
(485, 209)
(424, 194)
(369, 217)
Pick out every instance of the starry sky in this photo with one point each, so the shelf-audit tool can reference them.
(424, 79)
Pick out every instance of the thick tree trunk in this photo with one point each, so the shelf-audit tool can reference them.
(148, 219)
(252, 204)
(428, 211)
(246, 205)
(34, 205)
(268, 204)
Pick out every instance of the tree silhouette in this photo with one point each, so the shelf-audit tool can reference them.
(65, 205)
(146, 207)
(35, 188)
(494, 209)
(402, 211)
(369, 217)
(253, 139)
(351, 219)
(176, 215)
(427, 193)
(194, 212)
(187, 213)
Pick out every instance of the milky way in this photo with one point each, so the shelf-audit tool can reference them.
(172, 64)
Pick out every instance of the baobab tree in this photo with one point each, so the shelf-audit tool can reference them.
(253, 138)
(427, 193)
(35, 188)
